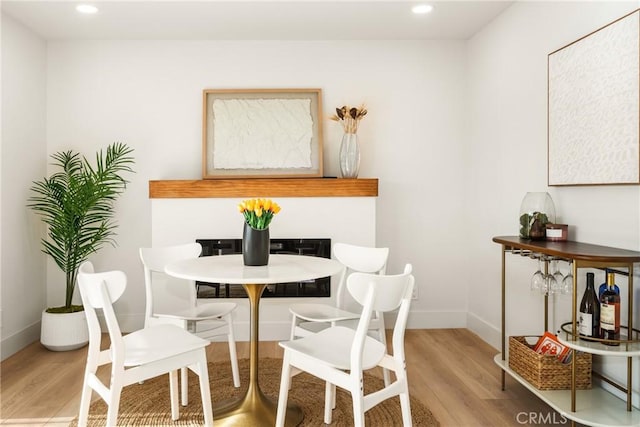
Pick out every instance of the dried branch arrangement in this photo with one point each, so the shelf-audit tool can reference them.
(349, 117)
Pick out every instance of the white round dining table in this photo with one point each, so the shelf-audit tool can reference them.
(254, 408)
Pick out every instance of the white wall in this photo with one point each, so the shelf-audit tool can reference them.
(148, 94)
(507, 113)
(456, 132)
(23, 159)
(507, 66)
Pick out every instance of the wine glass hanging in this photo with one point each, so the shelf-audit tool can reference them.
(550, 281)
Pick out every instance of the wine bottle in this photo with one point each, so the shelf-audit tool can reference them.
(610, 312)
(589, 325)
(603, 287)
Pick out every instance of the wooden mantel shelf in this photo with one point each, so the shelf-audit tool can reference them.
(267, 187)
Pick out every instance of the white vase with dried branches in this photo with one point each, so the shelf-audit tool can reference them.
(349, 117)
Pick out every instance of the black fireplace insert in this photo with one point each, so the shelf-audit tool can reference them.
(309, 288)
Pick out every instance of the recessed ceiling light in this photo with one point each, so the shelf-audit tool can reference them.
(87, 8)
(421, 8)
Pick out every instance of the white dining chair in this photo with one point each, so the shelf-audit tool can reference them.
(339, 355)
(174, 301)
(310, 318)
(135, 357)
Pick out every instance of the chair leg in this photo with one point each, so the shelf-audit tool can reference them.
(184, 385)
(329, 401)
(405, 407)
(358, 408)
(292, 373)
(333, 394)
(85, 401)
(205, 391)
(173, 393)
(233, 355)
(386, 377)
(285, 379)
(190, 326)
(114, 405)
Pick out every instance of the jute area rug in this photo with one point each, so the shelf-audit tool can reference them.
(148, 404)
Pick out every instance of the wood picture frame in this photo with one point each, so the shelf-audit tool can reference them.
(593, 122)
(261, 133)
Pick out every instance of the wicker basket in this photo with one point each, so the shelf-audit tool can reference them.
(547, 372)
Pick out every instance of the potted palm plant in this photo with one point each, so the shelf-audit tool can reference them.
(76, 204)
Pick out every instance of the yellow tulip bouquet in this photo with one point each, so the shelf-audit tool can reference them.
(258, 213)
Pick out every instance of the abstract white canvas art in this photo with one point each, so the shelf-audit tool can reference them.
(593, 116)
(262, 133)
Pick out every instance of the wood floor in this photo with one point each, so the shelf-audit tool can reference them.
(450, 370)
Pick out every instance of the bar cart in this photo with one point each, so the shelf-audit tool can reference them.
(594, 406)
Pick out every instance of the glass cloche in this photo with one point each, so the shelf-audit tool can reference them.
(536, 211)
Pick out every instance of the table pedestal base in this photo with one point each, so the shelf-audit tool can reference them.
(254, 409)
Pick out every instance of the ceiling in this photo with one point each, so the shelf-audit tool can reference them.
(254, 20)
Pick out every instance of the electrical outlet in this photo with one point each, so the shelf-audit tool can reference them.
(414, 295)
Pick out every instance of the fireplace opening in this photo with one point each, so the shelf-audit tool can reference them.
(309, 288)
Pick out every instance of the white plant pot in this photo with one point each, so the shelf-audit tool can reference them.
(64, 331)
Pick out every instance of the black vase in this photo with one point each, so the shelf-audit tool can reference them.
(255, 246)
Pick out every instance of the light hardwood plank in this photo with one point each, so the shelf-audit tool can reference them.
(450, 370)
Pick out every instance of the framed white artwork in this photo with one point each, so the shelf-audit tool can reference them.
(593, 107)
(261, 133)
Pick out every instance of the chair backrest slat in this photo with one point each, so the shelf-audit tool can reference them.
(358, 259)
(380, 293)
(390, 289)
(361, 258)
(115, 282)
(100, 291)
(158, 285)
(155, 259)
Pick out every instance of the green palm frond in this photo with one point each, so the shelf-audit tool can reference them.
(77, 202)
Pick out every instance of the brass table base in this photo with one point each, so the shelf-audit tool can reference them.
(254, 409)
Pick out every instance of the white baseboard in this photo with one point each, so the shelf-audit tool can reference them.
(16, 342)
(484, 330)
(280, 330)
